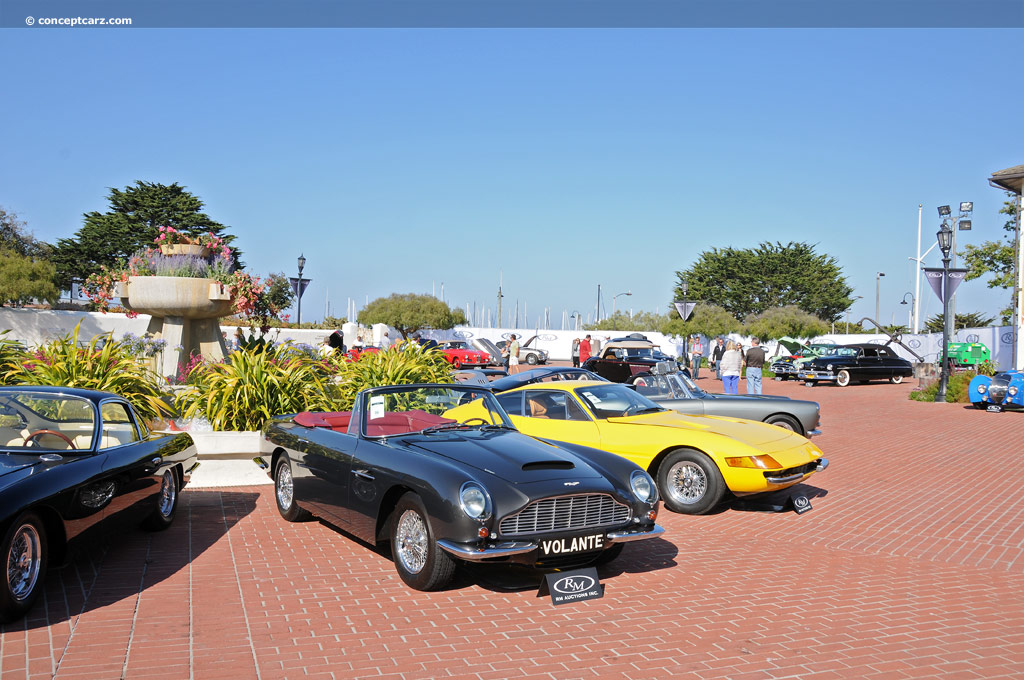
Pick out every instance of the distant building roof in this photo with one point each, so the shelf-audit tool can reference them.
(1010, 179)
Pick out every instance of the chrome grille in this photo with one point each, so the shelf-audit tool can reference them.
(997, 388)
(566, 513)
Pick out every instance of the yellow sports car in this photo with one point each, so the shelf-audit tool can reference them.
(695, 459)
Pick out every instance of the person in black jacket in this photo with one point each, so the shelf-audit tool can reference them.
(716, 357)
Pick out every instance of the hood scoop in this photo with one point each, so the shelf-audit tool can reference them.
(548, 465)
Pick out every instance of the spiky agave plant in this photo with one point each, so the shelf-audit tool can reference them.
(253, 385)
(410, 363)
(111, 367)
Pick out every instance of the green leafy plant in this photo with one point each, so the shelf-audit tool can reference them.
(102, 364)
(956, 389)
(986, 367)
(410, 363)
(252, 386)
(12, 354)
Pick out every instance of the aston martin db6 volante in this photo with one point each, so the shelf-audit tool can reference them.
(856, 363)
(676, 390)
(696, 460)
(74, 462)
(441, 473)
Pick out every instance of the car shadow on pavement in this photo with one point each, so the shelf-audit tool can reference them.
(778, 501)
(109, 564)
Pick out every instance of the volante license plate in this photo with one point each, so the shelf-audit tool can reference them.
(994, 408)
(567, 546)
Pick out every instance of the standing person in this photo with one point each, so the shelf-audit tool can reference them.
(716, 357)
(732, 365)
(696, 355)
(754, 359)
(513, 354)
(584, 349)
(575, 352)
(385, 342)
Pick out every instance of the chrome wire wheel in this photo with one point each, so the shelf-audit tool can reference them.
(168, 495)
(687, 482)
(412, 541)
(284, 487)
(24, 562)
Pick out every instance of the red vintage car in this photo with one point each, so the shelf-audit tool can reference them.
(355, 352)
(460, 354)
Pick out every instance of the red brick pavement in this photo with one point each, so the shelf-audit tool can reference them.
(909, 566)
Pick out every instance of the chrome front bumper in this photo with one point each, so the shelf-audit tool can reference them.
(474, 553)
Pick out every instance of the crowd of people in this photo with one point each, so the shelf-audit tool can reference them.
(728, 360)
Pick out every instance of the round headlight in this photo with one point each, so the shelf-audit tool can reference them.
(1012, 391)
(830, 367)
(643, 486)
(982, 389)
(474, 501)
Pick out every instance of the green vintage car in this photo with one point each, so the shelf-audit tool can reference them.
(785, 368)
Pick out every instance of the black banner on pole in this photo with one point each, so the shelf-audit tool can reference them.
(295, 285)
(934, 276)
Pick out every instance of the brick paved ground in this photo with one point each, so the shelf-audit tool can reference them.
(909, 566)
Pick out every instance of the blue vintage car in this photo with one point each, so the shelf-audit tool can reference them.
(1003, 391)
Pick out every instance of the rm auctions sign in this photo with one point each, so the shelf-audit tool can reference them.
(574, 586)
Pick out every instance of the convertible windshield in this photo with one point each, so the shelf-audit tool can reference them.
(613, 400)
(31, 420)
(407, 409)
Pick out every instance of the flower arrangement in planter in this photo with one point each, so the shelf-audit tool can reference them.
(170, 241)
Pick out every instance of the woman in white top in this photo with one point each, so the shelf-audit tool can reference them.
(732, 365)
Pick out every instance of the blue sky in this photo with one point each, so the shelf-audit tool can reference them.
(398, 160)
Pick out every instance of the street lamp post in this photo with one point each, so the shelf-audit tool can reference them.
(855, 297)
(952, 223)
(684, 287)
(615, 322)
(878, 287)
(945, 238)
(910, 312)
(578, 317)
(298, 292)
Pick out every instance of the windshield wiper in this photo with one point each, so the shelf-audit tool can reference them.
(647, 409)
(498, 427)
(439, 428)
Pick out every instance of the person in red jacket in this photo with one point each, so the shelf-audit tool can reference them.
(584, 350)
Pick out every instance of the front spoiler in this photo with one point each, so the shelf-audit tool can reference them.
(474, 553)
(822, 464)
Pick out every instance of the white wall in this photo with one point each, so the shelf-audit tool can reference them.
(37, 326)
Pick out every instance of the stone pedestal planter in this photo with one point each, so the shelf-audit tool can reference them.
(184, 312)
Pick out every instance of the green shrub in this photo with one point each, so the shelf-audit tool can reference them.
(403, 365)
(12, 354)
(956, 389)
(112, 368)
(253, 385)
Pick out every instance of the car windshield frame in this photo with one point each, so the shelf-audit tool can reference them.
(596, 393)
(21, 405)
(425, 408)
(843, 352)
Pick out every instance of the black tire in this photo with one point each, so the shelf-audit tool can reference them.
(284, 492)
(420, 562)
(456, 363)
(608, 555)
(786, 421)
(25, 554)
(896, 379)
(166, 504)
(843, 378)
(690, 482)
(980, 405)
(531, 359)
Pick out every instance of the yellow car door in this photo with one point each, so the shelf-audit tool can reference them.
(550, 414)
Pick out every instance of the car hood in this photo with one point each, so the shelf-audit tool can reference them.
(750, 432)
(512, 456)
(485, 345)
(741, 398)
(17, 466)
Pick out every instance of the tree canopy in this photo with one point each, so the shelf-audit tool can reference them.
(996, 258)
(790, 320)
(966, 320)
(16, 238)
(411, 312)
(707, 320)
(622, 321)
(24, 278)
(131, 224)
(751, 281)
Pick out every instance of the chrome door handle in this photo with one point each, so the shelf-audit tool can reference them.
(363, 474)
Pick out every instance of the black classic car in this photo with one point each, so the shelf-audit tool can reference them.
(623, 358)
(74, 462)
(407, 466)
(677, 391)
(542, 374)
(860, 363)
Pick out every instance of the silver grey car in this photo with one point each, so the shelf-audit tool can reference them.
(675, 390)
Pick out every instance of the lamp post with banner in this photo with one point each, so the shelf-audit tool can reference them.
(299, 287)
(944, 282)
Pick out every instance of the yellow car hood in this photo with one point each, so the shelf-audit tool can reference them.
(767, 438)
